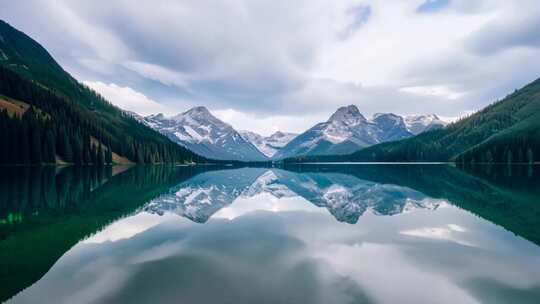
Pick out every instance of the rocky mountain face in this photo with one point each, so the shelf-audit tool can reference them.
(269, 145)
(201, 132)
(346, 131)
(417, 124)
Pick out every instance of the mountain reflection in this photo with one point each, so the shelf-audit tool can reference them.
(44, 212)
(345, 196)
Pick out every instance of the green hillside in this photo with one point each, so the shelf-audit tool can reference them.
(66, 120)
(506, 131)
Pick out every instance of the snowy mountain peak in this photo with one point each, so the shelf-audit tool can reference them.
(417, 124)
(388, 118)
(348, 115)
(200, 114)
(386, 115)
(201, 132)
(345, 132)
(281, 138)
(159, 116)
(200, 110)
(269, 145)
(277, 134)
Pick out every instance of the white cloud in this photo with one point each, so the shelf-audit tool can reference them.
(158, 73)
(268, 124)
(128, 99)
(437, 91)
(383, 56)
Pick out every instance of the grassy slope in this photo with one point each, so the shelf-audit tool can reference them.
(13, 107)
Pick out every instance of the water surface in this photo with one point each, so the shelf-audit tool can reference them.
(299, 234)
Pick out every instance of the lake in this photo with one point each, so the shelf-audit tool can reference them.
(297, 234)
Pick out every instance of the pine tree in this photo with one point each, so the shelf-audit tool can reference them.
(77, 151)
(36, 146)
(49, 149)
(87, 153)
(64, 145)
(93, 154)
(108, 158)
(100, 159)
(24, 146)
(4, 136)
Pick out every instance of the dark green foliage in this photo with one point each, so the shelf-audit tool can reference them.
(100, 157)
(49, 147)
(108, 155)
(74, 114)
(506, 131)
(24, 145)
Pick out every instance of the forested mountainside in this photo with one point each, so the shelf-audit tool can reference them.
(505, 131)
(47, 116)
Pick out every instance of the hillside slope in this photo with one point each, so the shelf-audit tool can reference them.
(65, 115)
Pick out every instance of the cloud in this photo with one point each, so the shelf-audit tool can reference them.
(294, 59)
(505, 32)
(358, 16)
(439, 91)
(432, 6)
(158, 73)
(127, 99)
(266, 125)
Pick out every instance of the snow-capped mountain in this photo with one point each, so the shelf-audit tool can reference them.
(268, 145)
(417, 124)
(346, 131)
(345, 196)
(201, 132)
(391, 127)
(203, 195)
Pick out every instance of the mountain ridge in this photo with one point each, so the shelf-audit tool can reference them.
(347, 131)
(268, 145)
(507, 131)
(198, 130)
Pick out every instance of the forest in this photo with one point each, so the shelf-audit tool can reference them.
(49, 117)
(55, 129)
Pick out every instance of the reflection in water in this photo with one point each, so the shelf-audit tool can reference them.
(307, 234)
(345, 196)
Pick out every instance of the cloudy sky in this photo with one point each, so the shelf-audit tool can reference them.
(266, 65)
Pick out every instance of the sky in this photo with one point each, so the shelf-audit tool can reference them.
(268, 65)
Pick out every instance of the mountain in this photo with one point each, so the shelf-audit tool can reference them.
(506, 131)
(417, 124)
(345, 196)
(346, 131)
(203, 195)
(49, 117)
(269, 145)
(391, 127)
(201, 132)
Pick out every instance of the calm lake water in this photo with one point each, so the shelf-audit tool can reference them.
(300, 234)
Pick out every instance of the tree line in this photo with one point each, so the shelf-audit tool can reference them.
(34, 139)
(55, 125)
